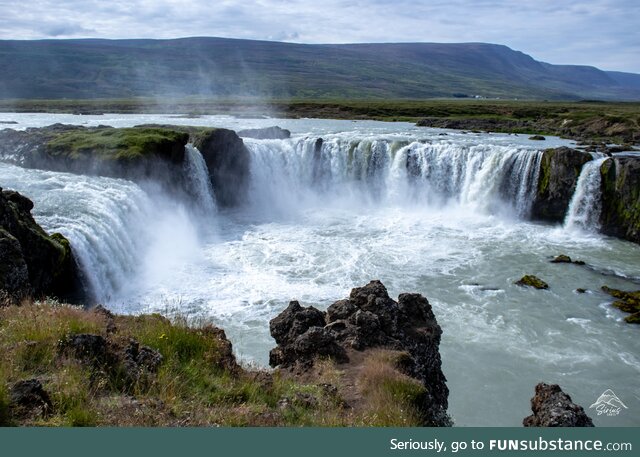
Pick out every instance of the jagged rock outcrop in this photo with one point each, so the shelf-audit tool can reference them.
(553, 408)
(268, 133)
(369, 318)
(559, 172)
(228, 162)
(33, 263)
(620, 215)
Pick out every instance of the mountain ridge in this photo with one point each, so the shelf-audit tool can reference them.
(228, 67)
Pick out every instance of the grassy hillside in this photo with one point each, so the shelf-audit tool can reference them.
(95, 368)
(224, 67)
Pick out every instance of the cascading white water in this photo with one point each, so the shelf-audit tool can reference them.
(198, 180)
(100, 217)
(295, 173)
(586, 203)
(121, 234)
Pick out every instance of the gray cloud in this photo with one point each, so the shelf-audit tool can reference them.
(603, 33)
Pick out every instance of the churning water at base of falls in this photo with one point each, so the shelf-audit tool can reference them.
(316, 226)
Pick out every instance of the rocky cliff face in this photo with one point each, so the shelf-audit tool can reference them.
(368, 319)
(228, 160)
(559, 172)
(620, 214)
(553, 408)
(131, 153)
(33, 263)
(146, 152)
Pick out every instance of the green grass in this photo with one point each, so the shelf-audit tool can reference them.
(125, 144)
(197, 383)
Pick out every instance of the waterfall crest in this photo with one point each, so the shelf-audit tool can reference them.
(484, 177)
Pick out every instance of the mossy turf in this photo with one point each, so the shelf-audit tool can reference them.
(198, 382)
(123, 144)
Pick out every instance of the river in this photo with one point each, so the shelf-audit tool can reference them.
(442, 213)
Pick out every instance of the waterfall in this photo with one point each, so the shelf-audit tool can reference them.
(119, 232)
(297, 172)
(586, 203)
(198, 180)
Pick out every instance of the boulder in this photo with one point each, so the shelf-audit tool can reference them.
(532, 281)
(562, 258)
(139, 361)
(620, 215)
(268, 133)
(368, 319)
(50, 266)
(90, 349)
(553, 408)
(28, 398)
(559, 172)
(537, 138)
(628, 302)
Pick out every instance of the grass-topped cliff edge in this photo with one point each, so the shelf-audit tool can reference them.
(63, 365)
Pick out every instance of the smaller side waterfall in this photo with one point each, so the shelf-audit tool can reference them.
(198, 180)
(586, 203)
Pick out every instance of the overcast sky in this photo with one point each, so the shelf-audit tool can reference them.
(603, 33)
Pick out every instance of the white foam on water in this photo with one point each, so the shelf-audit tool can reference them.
(434, 215)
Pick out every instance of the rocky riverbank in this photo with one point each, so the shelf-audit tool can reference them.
(593, 131)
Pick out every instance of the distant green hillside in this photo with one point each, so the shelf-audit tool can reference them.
(93, 68)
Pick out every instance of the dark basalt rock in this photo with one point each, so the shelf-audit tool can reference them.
(14, 274)
(130, 365)
(562, 258)
(553, 408)
(368, 319)
(139, 361)
(628, 302)
(228, 162)
(90, 349)
(28, 398)
(50, 266)
(537, 138)
(559, 172)
(294, 321)
(268, 133)
(532, 281)
(620, 215)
